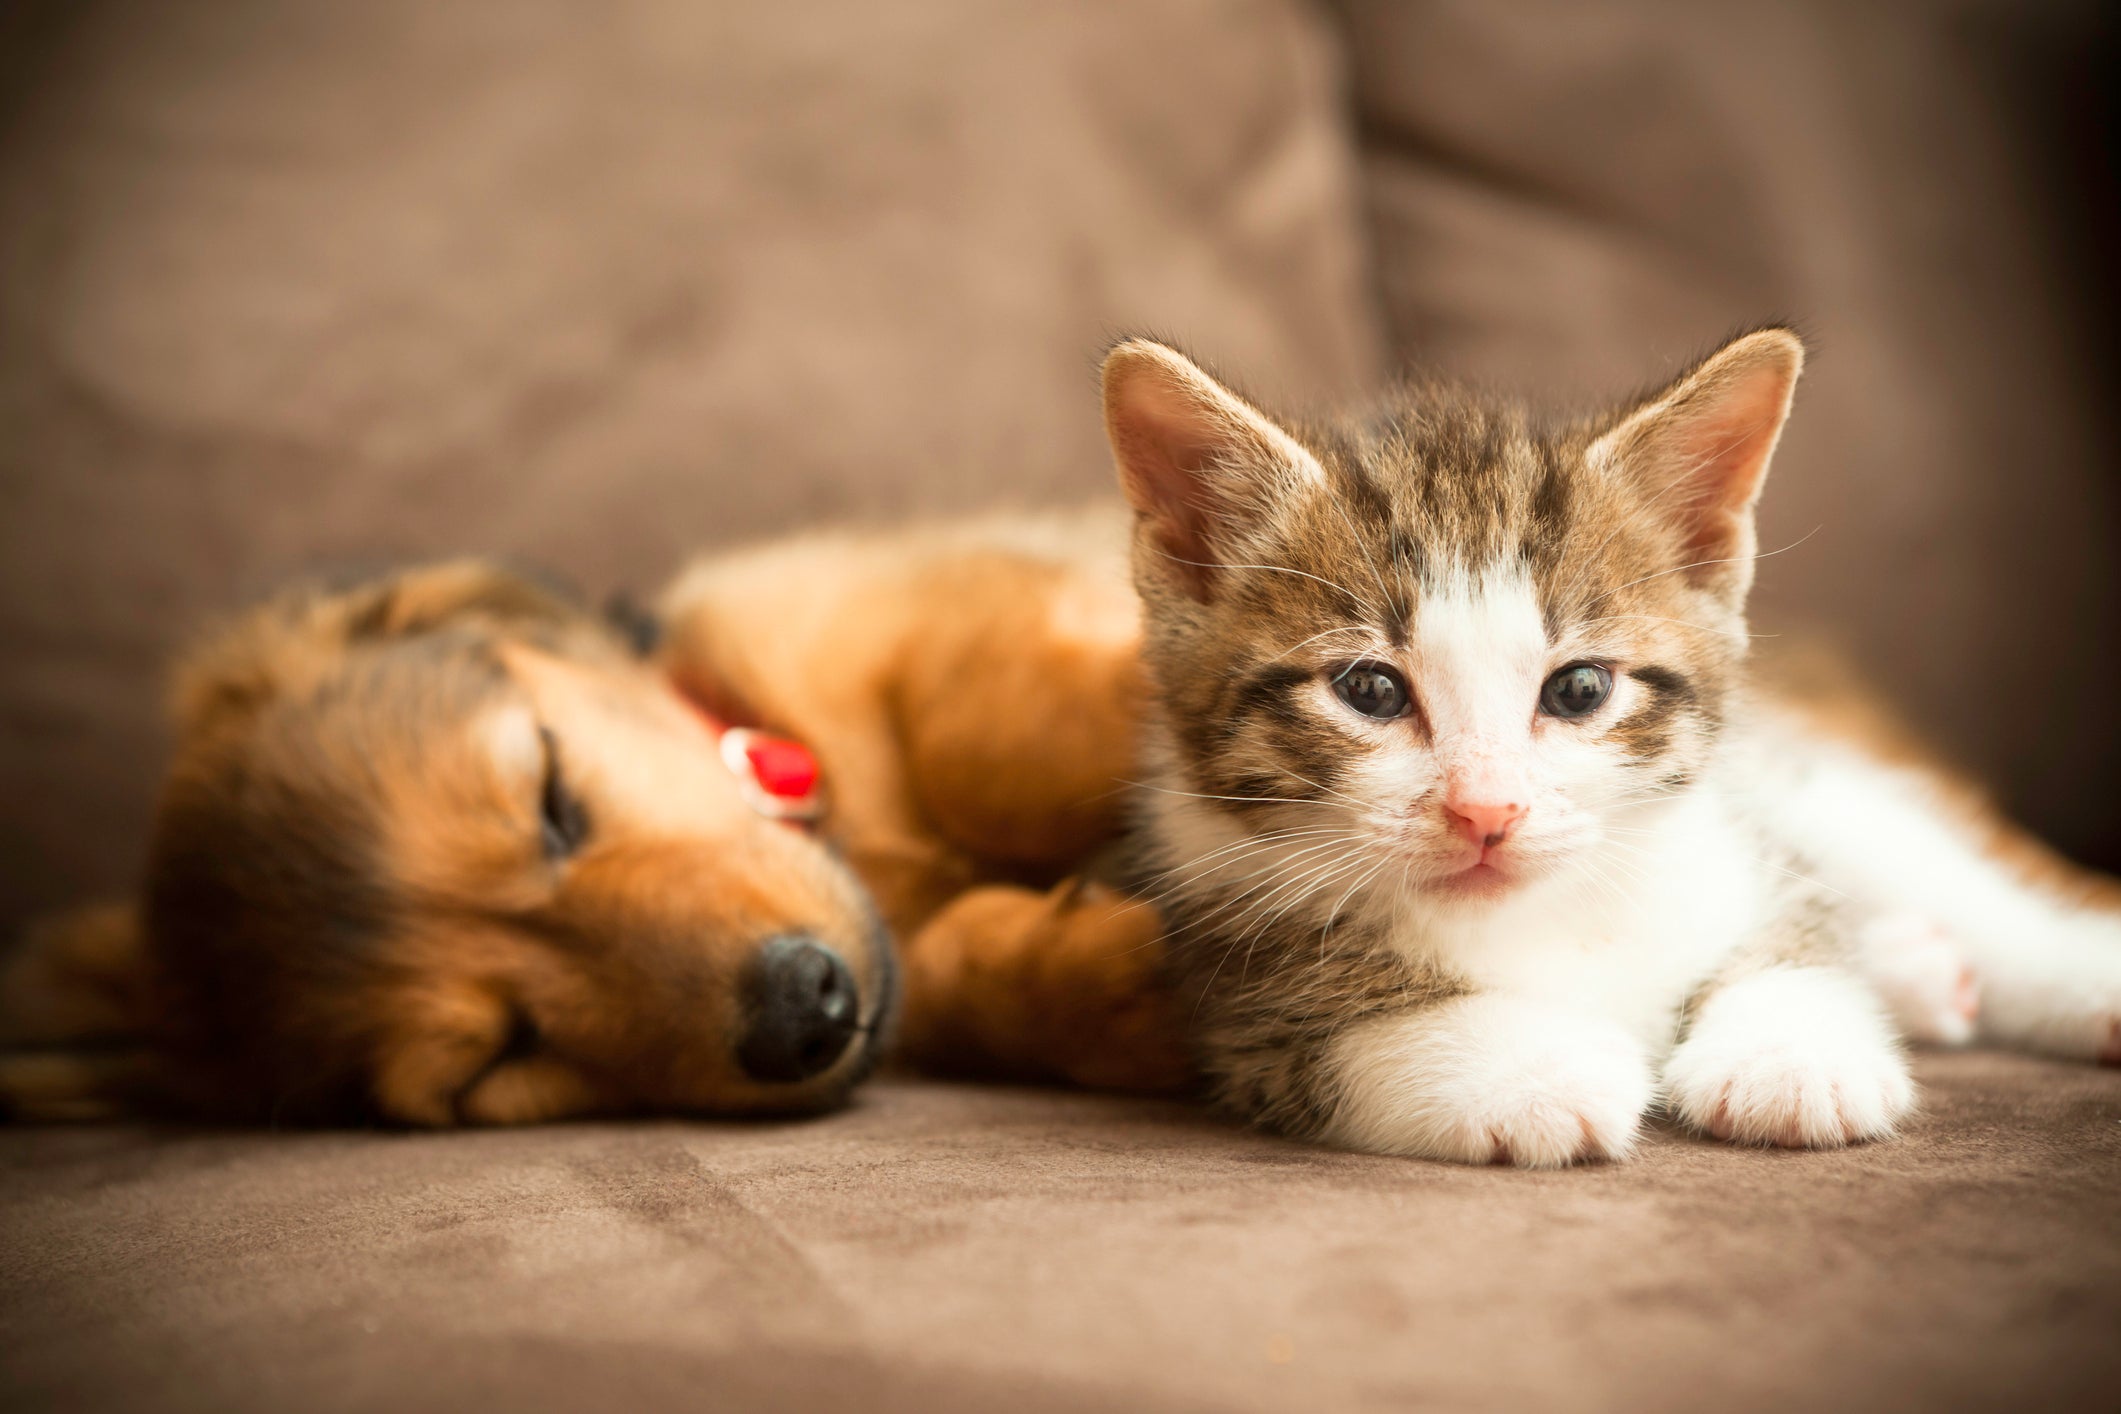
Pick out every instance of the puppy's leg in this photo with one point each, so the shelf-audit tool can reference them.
(76, 977)
(527, 1090)
(441, 1038)
(75, 1016)
(55, 1087)
(1067, 984)
(1061, 985)
(1018, 707)
(443, 1063)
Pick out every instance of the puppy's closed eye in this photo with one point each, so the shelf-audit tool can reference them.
(562, 821)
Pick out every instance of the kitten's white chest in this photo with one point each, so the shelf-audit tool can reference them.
(1630, 948)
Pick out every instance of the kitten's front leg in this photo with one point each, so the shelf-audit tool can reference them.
(1490, 1078)
(1798, 1056)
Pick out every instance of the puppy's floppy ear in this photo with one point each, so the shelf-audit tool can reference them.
(1197, 462)
(287, 645)
(428, 597)
(1698, 452)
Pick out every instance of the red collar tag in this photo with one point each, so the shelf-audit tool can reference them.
(780, 777)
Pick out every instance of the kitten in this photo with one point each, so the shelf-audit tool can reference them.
(1478, 840)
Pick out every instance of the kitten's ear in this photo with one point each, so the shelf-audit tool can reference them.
(1699, 451)
(1197, 462)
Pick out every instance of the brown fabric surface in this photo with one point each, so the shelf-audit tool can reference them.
(942, 1247)
(293, 283)
(1569, 196)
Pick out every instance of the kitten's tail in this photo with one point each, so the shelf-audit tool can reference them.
(75, 1017)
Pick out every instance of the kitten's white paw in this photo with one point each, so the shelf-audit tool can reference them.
(1802, 1057)
(2060, 996)
(1923, 977)
(1491, 1079)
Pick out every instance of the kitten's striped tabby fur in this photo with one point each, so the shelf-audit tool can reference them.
(1477, 838)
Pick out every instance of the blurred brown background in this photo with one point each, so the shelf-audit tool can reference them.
(287, 284)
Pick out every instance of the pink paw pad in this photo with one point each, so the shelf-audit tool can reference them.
(1966, 995)
(1922, 977)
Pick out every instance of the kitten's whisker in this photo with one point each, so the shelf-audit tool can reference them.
(1342, 589)
(1662, 500)
(1271, 837)
(1264, 878)
(1322, 633)
(1333, 915)
(1589, 871)
(1279, 874)
(1384, 594)
(1245, 799)
(1702, 564)
(1353, 802)
(1649, 618)
(1315, 881)
(1199, 880)
(1223, 959)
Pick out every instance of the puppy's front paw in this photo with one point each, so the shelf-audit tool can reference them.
(1491, 1079)
(1796, 1056)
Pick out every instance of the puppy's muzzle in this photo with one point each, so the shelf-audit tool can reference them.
(801, 1009)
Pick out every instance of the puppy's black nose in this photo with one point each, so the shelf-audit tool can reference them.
(800, 1010)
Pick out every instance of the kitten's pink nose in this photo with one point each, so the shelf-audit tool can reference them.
(1484, 822)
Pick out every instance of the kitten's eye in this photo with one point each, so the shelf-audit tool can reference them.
(1576, 690)
(562, 822)
(1373, 689)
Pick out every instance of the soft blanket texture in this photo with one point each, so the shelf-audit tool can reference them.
(945, 1247)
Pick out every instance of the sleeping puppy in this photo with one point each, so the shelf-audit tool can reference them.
(441, 849)
(973, 691)
(445, 848)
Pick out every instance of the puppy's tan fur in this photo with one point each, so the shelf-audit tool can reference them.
(346, 913)
(347, 909)
(973, 693)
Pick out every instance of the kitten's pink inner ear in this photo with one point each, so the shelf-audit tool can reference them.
(1700, 450)
(1164, 445)
(1193, 457)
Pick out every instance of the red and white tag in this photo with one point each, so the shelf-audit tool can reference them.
(780, 777)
